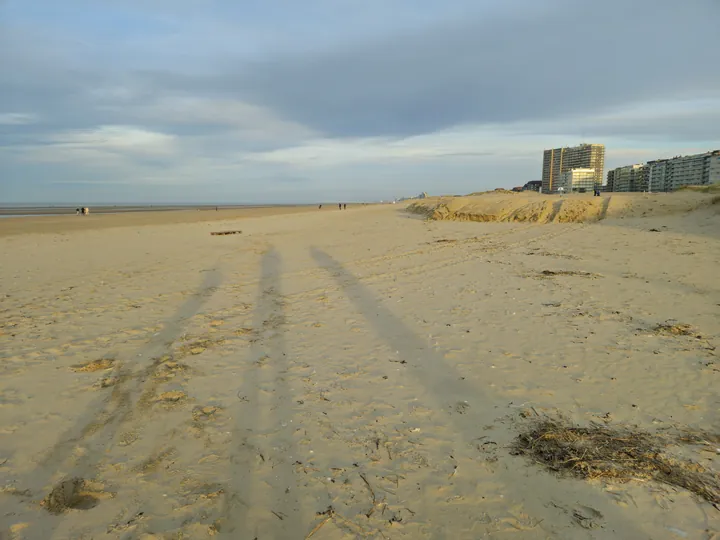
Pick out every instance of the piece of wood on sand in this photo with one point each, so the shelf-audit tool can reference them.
(222, 233)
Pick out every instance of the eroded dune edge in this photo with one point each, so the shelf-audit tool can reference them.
(536, 208)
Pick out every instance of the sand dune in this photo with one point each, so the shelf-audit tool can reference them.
(536, 208)
(358, 374)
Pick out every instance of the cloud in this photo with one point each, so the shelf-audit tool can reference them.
(344, 97)
(570, 58)
(102, 145)
(17, 119)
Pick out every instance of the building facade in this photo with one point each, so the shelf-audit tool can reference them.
(559, 160)
(578, 180)
(686, 171)
(630, 178)
(713, 168)
(657, 175)
(610, 180)
(695, 170)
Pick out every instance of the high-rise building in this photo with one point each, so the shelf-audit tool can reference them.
(559, 160)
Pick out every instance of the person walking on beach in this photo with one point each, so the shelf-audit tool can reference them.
(344, 206)
(339, 206)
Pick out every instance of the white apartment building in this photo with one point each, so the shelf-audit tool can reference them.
(687, 171)
(695, 170)
(581, 179)
(713, 167)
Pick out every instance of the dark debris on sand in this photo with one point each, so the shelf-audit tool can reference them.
(613, 453)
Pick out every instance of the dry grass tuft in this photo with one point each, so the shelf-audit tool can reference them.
(712, 188)
(619, 454)
(675, 329)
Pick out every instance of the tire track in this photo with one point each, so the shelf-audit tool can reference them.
(251, 511)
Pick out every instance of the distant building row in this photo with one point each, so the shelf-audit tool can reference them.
(575, 168)
(667, 174)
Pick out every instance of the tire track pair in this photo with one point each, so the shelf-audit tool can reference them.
(248, 506)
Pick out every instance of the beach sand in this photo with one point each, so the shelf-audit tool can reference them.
(94, 220)
(355, 374)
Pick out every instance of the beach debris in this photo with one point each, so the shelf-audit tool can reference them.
(329, 513)
(612, 453)
(445, 241)
(551, 273)
(95, 365)
(674, 329)
(125, 525)
(223, 233)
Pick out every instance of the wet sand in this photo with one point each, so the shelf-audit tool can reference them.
(355, 374)
(108, 217)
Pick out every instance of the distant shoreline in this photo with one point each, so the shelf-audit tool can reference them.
(27, 220)
(61, 210)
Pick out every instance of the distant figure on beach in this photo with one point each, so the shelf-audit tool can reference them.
(77, 211)
(86, 210)
(344, 206)
(339, 206)
(320, 207)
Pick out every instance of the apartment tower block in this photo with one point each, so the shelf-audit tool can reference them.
(560, 160)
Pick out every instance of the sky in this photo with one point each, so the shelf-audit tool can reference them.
(287, 101)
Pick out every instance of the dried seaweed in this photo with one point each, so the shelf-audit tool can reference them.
(616, 453)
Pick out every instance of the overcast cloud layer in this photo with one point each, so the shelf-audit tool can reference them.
(285, 101)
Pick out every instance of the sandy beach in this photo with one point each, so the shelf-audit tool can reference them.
(12, 225)
(355, 374)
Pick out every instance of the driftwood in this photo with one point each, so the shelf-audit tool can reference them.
(220, 233)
